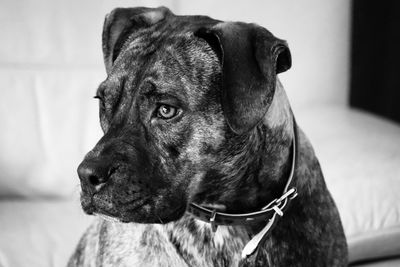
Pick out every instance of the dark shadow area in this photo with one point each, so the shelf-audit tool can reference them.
(375, 57)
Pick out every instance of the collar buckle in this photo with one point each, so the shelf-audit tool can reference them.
(291, 194)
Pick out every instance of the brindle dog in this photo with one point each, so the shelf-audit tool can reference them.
(192, 112)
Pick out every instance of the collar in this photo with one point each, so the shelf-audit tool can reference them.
(268, 213)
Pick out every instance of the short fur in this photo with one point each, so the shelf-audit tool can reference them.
(144, 171)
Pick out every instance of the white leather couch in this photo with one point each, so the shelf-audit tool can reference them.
(51, 64)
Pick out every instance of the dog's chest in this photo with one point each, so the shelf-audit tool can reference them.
(198, 245)
(120, 244)
(186, 243)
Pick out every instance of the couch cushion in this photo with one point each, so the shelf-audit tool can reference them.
(395, 262)
(360, 157)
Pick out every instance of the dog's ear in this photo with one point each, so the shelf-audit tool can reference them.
(251, 57)
(121, 23)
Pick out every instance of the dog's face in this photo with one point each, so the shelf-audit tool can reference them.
(171, 129)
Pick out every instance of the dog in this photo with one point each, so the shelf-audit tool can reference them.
(202, 162)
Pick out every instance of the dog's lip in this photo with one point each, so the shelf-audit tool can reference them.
(107, 217)
(87, 205)
(93, 204)
(94, 209)
(107, 208)
(106, 213)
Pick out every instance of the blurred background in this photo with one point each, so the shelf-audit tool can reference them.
(344, 88)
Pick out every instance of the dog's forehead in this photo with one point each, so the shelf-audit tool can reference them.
(171, 58)
(184, 64)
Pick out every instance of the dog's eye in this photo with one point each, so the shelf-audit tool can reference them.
(166, 112)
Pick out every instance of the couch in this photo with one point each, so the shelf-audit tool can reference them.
(51, 64)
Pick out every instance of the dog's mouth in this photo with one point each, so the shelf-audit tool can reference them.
(141, 210)
(96, 204)
(90, 208)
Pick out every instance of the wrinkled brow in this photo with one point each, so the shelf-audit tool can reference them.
(153, 90)
(107, 87)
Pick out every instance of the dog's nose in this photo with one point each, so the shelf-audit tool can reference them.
(93, 173)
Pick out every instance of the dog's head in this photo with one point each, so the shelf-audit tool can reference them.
(182, 96)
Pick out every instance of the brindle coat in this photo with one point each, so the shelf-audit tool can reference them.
(227, 145)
